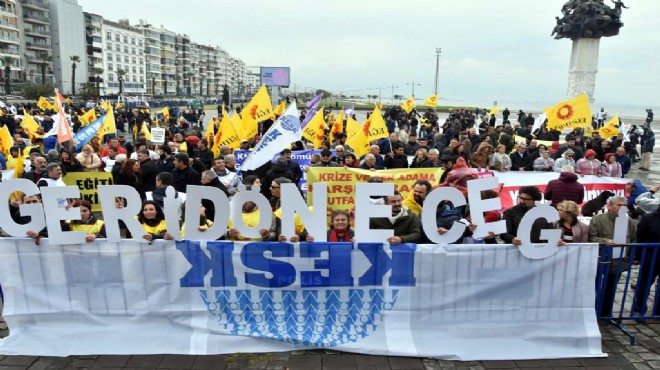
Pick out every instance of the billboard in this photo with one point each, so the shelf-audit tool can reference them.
(275, 76)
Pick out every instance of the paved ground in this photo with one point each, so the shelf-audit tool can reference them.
(622, 355)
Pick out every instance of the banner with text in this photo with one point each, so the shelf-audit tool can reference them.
(341, 181)
(464, 302)
(303, 157)
(88, 183)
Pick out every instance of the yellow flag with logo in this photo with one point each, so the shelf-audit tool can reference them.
(408, 105)
(44, 104)
(226, 135)
(106, 106)
(166, 113)
(337, 125)
(569, 114)
(6, 140)
(314, 131)
(374, 127)
(109, 125)
(29, 124)
(352, 127)
(359, 143)
(610, 129)
(87, 118)
(258, 109)
(494, 110)
(431, 101)
(146, 131)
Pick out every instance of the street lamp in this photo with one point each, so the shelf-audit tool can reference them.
(438, 51)
(413, 87)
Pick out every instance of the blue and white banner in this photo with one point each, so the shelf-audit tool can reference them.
(85, 134)
(461, 302)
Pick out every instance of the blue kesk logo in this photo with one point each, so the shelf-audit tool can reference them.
(268, 297)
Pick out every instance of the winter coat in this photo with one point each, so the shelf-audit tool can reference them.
(611, 169)
(513, 216)
(540, 162)
(459, 175)
(561, 162)
(480, 158)
(519, 161)
(580, 231)
(566, 187)
(406, 227)
(500, 162)
(586, 166)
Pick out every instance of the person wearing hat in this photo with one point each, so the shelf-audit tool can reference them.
(245, 145)
(610, 167)
(565, 159)
(589, 165)
(570, 144)
(326, 160)
(447, 163)
(573, 230)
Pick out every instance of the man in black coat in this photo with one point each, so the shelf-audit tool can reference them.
(183, 175)
(204, 153)
(520, 160)
(148, 169)
(648, 231)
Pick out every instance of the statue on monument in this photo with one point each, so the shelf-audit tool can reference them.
(588, 19)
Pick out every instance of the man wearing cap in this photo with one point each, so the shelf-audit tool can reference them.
(570, 144)
(447, 163)
(565, 159)
(245, 145)
(326, 160)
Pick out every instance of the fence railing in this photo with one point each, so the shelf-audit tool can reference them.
(626, 286)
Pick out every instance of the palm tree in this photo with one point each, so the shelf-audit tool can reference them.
(74, 59)
(44, 58)
(7, 61)
(120, 76)
(98, 72)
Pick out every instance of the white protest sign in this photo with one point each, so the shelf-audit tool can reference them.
(158, 135)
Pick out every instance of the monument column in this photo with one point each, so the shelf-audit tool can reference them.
(583, 68)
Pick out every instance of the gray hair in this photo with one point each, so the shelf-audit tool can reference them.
(616, 198)
(120, 158)
(434, 151)
(53, 153)
(567, 168)
(51, 166)
(283, 180)
(210, 175)
(230, 157)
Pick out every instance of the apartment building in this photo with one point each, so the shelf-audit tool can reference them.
(68, 40)
(124, 62)
(10, 41)
(35, 27)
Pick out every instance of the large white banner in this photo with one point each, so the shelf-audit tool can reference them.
(459, 302)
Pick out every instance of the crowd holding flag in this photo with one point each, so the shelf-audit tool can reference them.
(373, 128)
(226, 135)
(571, 113)
(88, 117)
(64, 132)
(145, 129)
(338, 125)
(29, 124)
(44, 104)
(311, 105)
(6, 141)
(610, 129)
(109, 125)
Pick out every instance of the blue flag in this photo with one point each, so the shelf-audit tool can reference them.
(85, 134)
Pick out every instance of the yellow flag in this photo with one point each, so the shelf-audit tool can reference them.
(119, 105)
(352, 127)
(236, 120)
(166, 113)
(359, 143)
(106, 106)
(407, 105)
(87, 118)
(44, 104)
(108, 126)
(209, 132)
(569, 113)
(610, 129)
(494, 111)
(338, 125)
(258, 109)
(314, 131)
(6, 141)
(279, 110)
(20, 167)
(146, 131)
(226, 135)
(374, 127)
(29, 124)
(135, 131)
(431, 101)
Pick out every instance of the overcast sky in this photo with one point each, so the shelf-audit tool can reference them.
(491, 50)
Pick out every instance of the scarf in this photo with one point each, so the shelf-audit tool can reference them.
(334, 237)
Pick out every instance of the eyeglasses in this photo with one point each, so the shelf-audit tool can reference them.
(524, 199)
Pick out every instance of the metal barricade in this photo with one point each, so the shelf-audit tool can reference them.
(626, 284)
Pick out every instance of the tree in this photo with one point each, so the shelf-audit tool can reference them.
(225, 95)
(44, 58)
(98, 72)
(7, 61)
(32, 91)
(120, 77)
(326, 94)
(74, 62)
(88, 91)
(398, 97)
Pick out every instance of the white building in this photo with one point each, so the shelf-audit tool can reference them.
(123, 59)
(68, 40)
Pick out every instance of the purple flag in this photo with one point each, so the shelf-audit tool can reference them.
(311, 109)
(348, 110)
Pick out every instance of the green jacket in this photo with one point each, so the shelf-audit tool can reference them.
(601, 228)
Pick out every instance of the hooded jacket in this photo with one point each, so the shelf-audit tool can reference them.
(459, 175)
(639, 190)
(481, 157)
(566, 187)
(585, 166)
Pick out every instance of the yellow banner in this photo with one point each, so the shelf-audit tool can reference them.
(547, 143)
(341, 182)
(408, 105)
(431, 101)
(88, 183)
